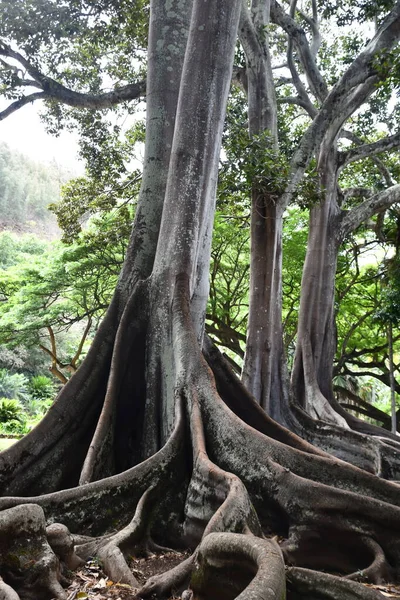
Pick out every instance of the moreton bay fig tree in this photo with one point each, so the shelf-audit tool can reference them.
(154, 441)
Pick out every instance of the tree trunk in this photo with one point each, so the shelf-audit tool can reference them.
(316, 343)
(264, 360)
(392, 381)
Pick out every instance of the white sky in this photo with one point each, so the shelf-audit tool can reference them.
(24, 131)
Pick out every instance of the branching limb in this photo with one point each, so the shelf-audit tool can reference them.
(379, 163)
(390, 142)
(307, 57)
(53, 90)
(369, 207)
(14, 106)
(298, 84)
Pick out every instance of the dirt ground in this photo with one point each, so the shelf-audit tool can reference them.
(90, 582)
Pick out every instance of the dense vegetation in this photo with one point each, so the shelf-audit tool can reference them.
(27, 188)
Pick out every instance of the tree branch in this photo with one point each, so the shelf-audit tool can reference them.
(365, 150)
(14, 106)
(379, 163)
(362, 70)
(308, 106)
(369, 207)
(298, 84)
(52, 90)
(295, 32)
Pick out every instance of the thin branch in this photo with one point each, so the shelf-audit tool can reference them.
(14, 106)
(308, 106)
(81, 343)
(379, 163)
(298, 84)
(313, 24)
(295, 32)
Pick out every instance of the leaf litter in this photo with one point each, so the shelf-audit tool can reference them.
(91, 582)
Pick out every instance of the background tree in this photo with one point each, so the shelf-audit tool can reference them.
(64, 287)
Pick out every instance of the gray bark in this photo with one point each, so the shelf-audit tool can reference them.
(264, 346)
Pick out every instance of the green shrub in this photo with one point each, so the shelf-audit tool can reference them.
(12, 416)
(41, 388)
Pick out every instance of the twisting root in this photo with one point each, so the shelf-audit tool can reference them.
(170, 582)
(379, 570)
(6, 592)
(257, 564)
(216, 501)
(304, 584)
(132, 539)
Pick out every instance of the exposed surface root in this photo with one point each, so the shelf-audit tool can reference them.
(134, 539)
(27, 562)
(62, 544)
(6, 592)
(379, 571)
(216, 500)
(304, 584)
(101, 506)
(236, 566)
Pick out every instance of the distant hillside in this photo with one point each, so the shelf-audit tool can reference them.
(26, 189)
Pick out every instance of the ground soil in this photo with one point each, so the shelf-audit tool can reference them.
(91, 583)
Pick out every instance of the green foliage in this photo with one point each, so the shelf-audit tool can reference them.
(251, 162)
(14, 248)
(229, 282)
(41, 388)
(389, 307)
(347, 12)
(12, 418)
(13, 386)
(10, 410)
(63, 291)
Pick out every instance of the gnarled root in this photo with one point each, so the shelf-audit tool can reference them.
(27, 562)
(62, 544)
(379, 570)
(133, 539)
(6, 592)
(231, 566)
(304, 584)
